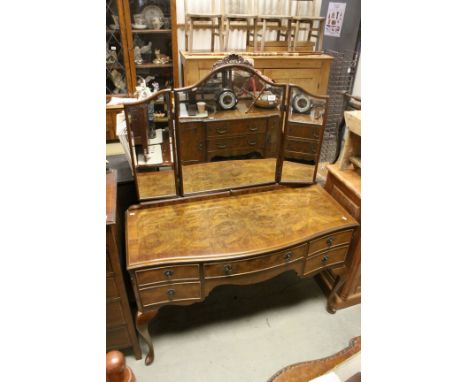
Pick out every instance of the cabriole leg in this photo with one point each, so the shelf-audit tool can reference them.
(331, 307)
(142, 321)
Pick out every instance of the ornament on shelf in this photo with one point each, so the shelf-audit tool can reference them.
(118, 82)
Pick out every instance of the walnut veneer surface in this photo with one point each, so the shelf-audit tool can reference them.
(232, 226)
(220, 175)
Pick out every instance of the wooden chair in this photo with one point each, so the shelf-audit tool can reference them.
(314, 25)
(274, 19)
(192, 18)
(242, 11)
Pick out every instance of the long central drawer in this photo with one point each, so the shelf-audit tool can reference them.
(246, 141)
(239, 267)
(223, 128)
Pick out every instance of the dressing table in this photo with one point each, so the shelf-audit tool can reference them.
(240, 214)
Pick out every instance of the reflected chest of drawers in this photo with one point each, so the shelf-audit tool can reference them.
(177, 253)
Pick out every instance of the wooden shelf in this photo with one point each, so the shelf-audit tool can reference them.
(152, 66)
(151, 31)
(108, 30)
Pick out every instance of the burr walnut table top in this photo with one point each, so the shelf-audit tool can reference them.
(230, 226)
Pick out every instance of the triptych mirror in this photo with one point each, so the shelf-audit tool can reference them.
(234, 129)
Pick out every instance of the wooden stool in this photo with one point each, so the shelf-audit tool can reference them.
(274, 22)
(310, 22)
(116, 371)
(216, 20)
(244, 12)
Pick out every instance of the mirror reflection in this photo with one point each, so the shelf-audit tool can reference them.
(150, 136)
(305, 122)
(229, 129)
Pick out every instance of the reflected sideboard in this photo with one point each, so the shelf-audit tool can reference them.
(179, 251)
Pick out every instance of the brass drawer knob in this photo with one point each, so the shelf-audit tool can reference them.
(228, 269)
(324, 259)
(253, 128)
(169, 273)
(220, 146)
(287, 256)
(252, 143)
(330, 241)
(221, 131)
(171, 293)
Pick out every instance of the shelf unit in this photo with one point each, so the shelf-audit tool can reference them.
(125, 38)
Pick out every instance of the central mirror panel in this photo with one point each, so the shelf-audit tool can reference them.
(228, 129)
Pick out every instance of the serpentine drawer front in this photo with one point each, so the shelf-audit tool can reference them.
(329, 241)
(156, 295)
(233, 268)
(326, 259)
(167, 274)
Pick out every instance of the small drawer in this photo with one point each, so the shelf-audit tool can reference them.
(247, 141)
(167, 274)
(326, 259)
(302, 130)
(301, 146)
(231, 268)
(170, 293)
(114, 313)
(330, 241)
(111, 288)
(226, 128)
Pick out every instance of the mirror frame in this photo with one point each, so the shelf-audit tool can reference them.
(245, 66)
(326, 98)
(229, 62)
(170, 119)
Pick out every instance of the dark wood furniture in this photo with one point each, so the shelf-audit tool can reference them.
(120, 329)
(116, 370)
(179, 250)
(230, 133)
(306, 371)
(345, 187)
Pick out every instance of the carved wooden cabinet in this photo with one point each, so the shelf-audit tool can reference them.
(120, 330)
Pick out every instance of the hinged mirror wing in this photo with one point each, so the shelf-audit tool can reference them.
(228, 129)
(150, 134)
(303, 134)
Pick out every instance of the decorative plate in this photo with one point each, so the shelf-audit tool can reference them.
(150, 12)
(139, 26)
